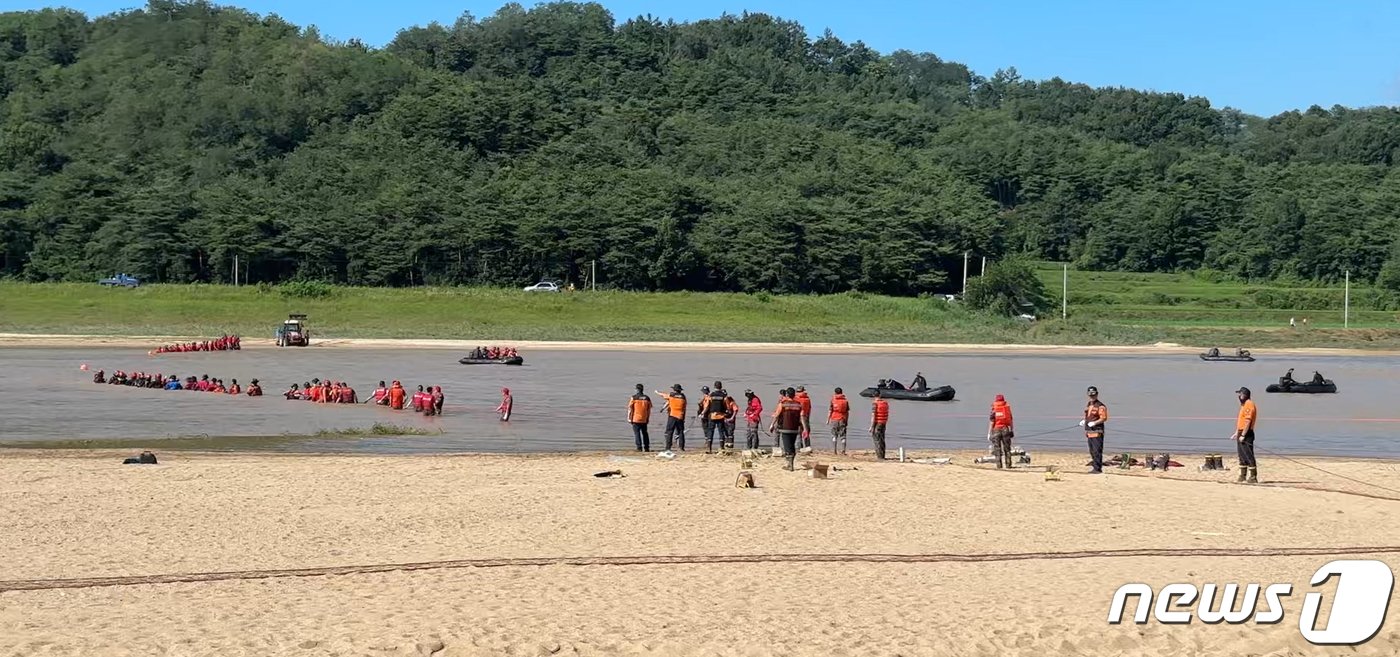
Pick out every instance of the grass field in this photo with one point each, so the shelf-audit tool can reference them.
(1105, 308)
(1184, 300)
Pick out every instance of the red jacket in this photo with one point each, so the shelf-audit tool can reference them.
(754, 412)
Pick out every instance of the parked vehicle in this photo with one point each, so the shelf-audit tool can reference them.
(293, 332)
(543, 286)
(120, 280)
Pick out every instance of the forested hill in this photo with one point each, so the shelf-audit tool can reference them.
(735, 153)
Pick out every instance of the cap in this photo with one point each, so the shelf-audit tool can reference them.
(1243, 390)
(677, 387)
(704, 388)
(1001, 398)
(1093, 390)
(801, 388)
(748, 391)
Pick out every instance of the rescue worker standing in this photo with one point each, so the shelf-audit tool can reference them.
(1000, 430)
(716, 407)
(639, 415)
(806, 402)
(788, 422)
(706, 427)
(731, 424)
(1244, 437)
(1095, 415)
(675, 417)
(754, 415)
(837, 415)
(879, 418)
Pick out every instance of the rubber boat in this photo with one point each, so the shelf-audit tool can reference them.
(939, 393)
(1244, 358)
(513, 360)
(1304, 387)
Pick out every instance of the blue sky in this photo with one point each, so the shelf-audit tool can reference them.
(1261, 57)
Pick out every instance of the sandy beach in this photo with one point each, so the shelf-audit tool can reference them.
(533, 555)
(147, 342)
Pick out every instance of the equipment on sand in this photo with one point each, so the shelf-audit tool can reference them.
(939, 393)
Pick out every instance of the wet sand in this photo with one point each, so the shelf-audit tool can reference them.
(672, 559)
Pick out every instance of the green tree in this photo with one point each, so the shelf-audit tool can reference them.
(1008, 288)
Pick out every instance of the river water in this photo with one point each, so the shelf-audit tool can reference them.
(576, 400)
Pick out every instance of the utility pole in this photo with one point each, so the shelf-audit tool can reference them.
(984, 265)
(1346, 302)
(964, 291)
(235, 269)
(1064, 294)
(593, 274)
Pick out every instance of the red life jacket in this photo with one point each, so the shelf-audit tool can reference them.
(1001, 415)
(881, 408)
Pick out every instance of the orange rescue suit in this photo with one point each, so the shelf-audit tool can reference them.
(639, 409)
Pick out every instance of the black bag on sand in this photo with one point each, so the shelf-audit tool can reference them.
(146, 458)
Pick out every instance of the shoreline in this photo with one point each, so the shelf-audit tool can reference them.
(961, 457)
(20, 340)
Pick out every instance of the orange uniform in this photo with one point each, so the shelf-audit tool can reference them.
(1249, 413)
(675, 406)
(639, 409)
(1095, 415)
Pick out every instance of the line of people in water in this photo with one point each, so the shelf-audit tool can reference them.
(226, 343)
(173, 382)
(493, 353)
(427, 400)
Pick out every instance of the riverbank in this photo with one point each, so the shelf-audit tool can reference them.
(477, 315)
(487, 555)
(146, 342)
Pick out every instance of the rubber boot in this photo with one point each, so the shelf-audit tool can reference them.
(790, 459)
(1243, 472)
(1253, 476)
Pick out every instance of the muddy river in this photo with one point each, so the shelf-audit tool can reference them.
(576, 400)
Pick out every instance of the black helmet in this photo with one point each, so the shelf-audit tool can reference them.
(1243, 391)
(1093, 390)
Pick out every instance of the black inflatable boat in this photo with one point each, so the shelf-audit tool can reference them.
(513, 360)
(1245, 358)
(1308, 387)
(940, 393)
